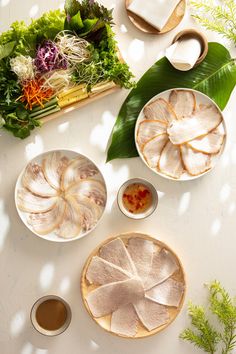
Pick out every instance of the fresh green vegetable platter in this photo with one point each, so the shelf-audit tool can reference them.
(62, 58)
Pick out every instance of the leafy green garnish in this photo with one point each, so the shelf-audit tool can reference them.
(215, 76)
(217, 17)
(27, 37)
(6, 49)
(202, 333)
(71, 7)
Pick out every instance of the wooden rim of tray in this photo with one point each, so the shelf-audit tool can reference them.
(145, 27)
(104, 322)
(193, 33)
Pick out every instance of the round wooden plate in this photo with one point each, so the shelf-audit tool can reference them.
(173, 21)
(105, 321)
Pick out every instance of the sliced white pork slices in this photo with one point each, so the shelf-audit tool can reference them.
(168, 293)
(34, 180)
(89, 211)
(163, 266)
(141, 252)
(148, 129)
(108, 298)
(153, 148)
(210, 143)
(161, 110)
(80, 168)
(183, 103)
(170, 162)
(92, 189)
(116, 253)
(204, 120)
(195, 162)
(101, 272)
(28, 202)
(131, 299)
(151, 314)
(124, 321)
(71, 225)
(54, 165)
(44, 223)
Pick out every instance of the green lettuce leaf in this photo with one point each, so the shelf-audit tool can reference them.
(6, 49)
(215, 76)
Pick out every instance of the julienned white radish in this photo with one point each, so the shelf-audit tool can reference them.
(58, 81)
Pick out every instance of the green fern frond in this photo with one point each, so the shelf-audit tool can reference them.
(202, 334)
(205, 337)
(217, 18)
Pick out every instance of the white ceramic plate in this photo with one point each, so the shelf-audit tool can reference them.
(200, 99)
(23, 215)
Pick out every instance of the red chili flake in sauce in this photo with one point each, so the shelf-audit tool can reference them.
(137, 198)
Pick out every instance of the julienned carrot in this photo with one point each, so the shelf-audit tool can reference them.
(35, 94)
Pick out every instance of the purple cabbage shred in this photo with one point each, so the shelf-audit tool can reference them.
(48, 58)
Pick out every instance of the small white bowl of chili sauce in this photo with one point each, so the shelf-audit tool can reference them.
(137, 198)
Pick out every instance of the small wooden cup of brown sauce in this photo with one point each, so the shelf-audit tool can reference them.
(50, 315)
(137, 198)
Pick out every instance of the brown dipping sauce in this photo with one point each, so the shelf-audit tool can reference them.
(51, 314)
(137, 198)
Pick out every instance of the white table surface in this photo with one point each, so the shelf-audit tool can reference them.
(196, 218)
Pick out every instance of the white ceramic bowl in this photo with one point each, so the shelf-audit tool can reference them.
(149, 211)
(23, 215)
(201, 99)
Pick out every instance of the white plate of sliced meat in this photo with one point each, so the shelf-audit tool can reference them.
(60, 195)
(133, 285)
(180, 134)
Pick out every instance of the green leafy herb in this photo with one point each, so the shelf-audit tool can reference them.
(217, 17)
(202, 333)
(27, 37)
(92, 9)
(105, 63)
(6, 49)
(215, 76)
(71, 7)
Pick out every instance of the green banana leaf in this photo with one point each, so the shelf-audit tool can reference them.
(215, 76)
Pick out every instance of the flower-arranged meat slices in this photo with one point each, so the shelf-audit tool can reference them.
(201, 123)
(64, 196)
(161, 110)
(125, 321)
(163, 267)
(189, 131)
(195, 162)
(115, 252)
(77, 170)
(71, 224)
(34, 180)
(151, 314)
(109, 297)
(133, 284)
(148, 129)
(101, 272)
(183, 103)
(153, 148)
(168, 293)
(32, 203)
(44, 223)
(92, 189)
(54, 165)
(90, 212)
(170, 162)
(210, 143)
